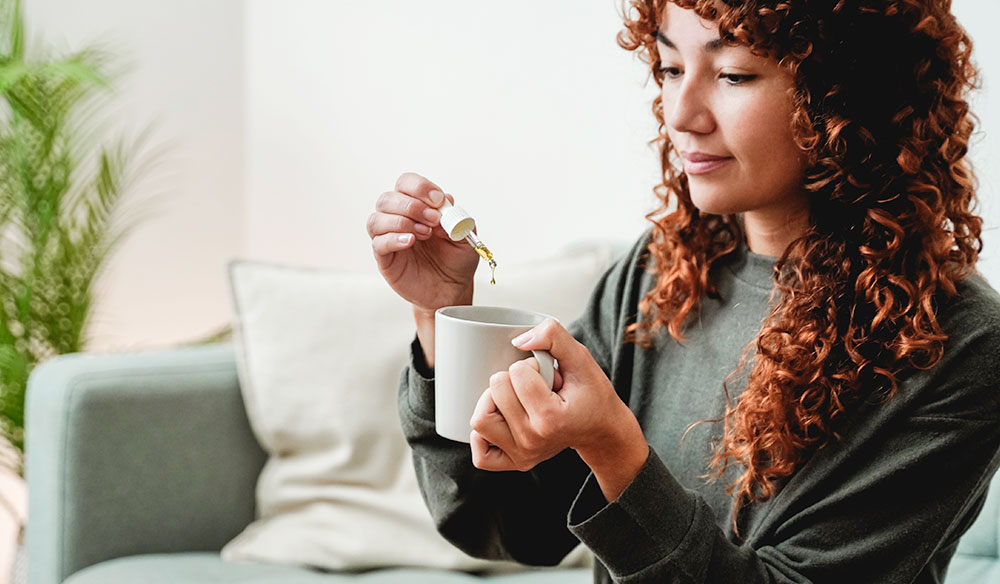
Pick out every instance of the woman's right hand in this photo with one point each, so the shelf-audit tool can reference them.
(414, 254)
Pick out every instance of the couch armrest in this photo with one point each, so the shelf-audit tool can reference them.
(135, 453)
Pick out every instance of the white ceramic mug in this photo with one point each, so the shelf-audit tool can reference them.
(471, 343)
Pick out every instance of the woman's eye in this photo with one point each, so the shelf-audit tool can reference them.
(670, 72)
(737, 78)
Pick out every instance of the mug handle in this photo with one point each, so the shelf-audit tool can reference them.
(546, 366)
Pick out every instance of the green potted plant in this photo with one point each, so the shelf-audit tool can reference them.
(59, 191)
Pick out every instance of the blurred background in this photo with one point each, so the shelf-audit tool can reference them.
(285, 120)
(278, 124)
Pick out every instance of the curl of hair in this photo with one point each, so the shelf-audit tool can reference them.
(880, 111)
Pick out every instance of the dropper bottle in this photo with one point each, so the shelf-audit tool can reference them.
(458, 224)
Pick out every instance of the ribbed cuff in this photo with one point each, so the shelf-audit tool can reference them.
(420, 397)
(641, 527)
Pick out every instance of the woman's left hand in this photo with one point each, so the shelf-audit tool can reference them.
(520, 422)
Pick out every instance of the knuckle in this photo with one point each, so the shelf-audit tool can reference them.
(383, 200)
(411, 207)
(518, 367)
(538, 438)
(499, 378)
(478, 422)
(546, 429)
(402, 224)
(370, 224)
(409, 180)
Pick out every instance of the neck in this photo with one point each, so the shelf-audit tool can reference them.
(770, 231)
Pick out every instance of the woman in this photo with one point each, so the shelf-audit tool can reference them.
(790, 377)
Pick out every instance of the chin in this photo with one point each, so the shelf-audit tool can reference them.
(715, 200)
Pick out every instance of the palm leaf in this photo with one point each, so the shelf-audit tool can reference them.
(61, 201)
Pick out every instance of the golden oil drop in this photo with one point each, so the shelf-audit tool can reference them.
(485, 253)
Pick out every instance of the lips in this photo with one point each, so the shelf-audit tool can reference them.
(702, 163)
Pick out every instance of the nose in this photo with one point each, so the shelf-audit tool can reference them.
(687, 108)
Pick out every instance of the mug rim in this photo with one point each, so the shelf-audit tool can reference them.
(447, 312)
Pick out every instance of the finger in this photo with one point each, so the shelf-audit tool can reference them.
(389, 243)
(533, 394)
(487, 456)
(381, 223)
(553, 337)
(484, 405)
(508, 403)
(490, 423)
(417, 186)
(396, 203)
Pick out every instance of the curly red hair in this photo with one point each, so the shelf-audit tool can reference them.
(880, 112)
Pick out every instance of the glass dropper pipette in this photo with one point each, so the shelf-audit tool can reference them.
(460, 225)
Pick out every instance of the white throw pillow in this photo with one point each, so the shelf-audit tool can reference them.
(319, 356)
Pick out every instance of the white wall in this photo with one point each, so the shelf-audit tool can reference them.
(976, 16)
(539, 131)
(289, 118)
(165, 285)
(541, 134)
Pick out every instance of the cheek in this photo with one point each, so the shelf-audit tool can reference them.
(761, 138)
(761, 130)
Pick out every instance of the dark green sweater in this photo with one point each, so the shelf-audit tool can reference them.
(884, 504)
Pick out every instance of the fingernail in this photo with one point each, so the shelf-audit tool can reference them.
(521, 339)
(432, 216)
(404, 238)
(436, 197)
(422, 229)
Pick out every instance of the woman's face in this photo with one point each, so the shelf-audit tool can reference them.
(728, 116)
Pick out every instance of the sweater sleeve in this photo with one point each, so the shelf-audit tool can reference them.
(885, 503)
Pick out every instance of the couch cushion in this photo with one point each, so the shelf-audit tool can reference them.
(983, 537)
(319, 354)
(210, 568)
(965, 569)
(977, 559)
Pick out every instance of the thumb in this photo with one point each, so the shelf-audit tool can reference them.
(553, 337)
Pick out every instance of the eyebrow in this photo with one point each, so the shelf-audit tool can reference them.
(711, 46)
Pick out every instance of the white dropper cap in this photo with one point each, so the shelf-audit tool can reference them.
(457, 223)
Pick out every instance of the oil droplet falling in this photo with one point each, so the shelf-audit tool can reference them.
(485, 253)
